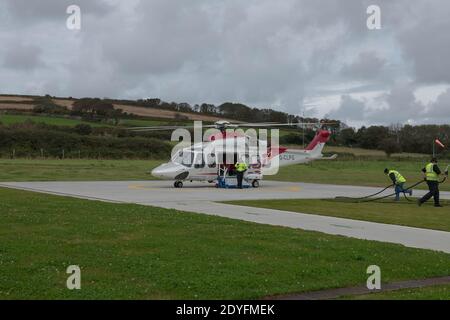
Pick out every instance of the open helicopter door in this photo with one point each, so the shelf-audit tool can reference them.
(227, 171)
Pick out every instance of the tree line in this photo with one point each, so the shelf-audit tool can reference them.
(391, 139)
(396, 138)
(89, 109)
(94, 108)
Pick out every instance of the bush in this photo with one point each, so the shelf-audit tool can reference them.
(291, 138)
(28, 140)
(390, 146)
(47, 106)
(83, 129)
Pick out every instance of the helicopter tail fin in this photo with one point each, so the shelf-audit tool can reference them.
(317, 144)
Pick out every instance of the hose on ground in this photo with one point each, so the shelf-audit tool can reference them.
(370, 198)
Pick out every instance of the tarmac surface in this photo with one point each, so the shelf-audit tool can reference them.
(201, 198)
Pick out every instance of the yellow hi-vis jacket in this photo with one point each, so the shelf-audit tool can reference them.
(240, 166)
(430, 174)
(398, 177)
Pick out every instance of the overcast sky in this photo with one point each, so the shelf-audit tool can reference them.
(312, 56)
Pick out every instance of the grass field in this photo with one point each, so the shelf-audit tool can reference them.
(8, 119)
(359, 152)
(402, 213)
(75, 170)
(148, 123)
(428, 293)
(358, 172)
(137, 252)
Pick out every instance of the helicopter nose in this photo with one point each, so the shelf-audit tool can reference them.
(159, 172)
(156, 173)
(166, 171)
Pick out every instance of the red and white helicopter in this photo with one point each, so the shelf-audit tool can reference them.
(215, 157)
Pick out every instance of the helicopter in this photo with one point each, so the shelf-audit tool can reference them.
(225, 144)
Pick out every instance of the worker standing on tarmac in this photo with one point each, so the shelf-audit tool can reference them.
(431, 174)
(241, 167)
(399, 181)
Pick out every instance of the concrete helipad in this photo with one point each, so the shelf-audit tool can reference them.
(200, 198)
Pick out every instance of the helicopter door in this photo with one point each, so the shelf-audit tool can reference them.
(227, 162)
(202, 170)
(227, 158)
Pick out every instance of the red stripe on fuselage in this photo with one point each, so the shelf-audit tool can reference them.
(273, 152)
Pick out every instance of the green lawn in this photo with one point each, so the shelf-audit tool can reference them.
(75, 170)
(379, 154)
(129, 251)
(403, 213)
(354, 172)
(8, 119)
(365, 173)
(441, 292)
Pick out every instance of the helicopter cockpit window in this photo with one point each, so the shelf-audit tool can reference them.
(187, 158)
(177, 157)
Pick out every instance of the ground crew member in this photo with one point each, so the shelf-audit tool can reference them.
(399, 181)
(241, 167)
(431, 174)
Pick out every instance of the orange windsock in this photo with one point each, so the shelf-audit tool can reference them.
(439, 143)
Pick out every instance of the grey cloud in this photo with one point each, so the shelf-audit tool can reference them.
(23, 57)
(425, 40)
(28, 12)
(439, 111)
(167, 35)
(259, 52)
(402, 97)
(367, 65)
(349, 109)
(399, 105)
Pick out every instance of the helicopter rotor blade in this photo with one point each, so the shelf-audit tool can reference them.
(164, 128)
(274, 124)
(228, 125)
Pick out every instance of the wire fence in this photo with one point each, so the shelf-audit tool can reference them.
(62, 154)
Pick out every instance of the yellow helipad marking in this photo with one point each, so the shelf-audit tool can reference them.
(209, 188)
(284, 188)
(144, 187)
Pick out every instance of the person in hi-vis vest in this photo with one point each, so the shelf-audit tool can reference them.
(399, 181)
(431, 174)
(241, 167)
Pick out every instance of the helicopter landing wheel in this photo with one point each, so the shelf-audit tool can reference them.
(255, 184)
(178, 184)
